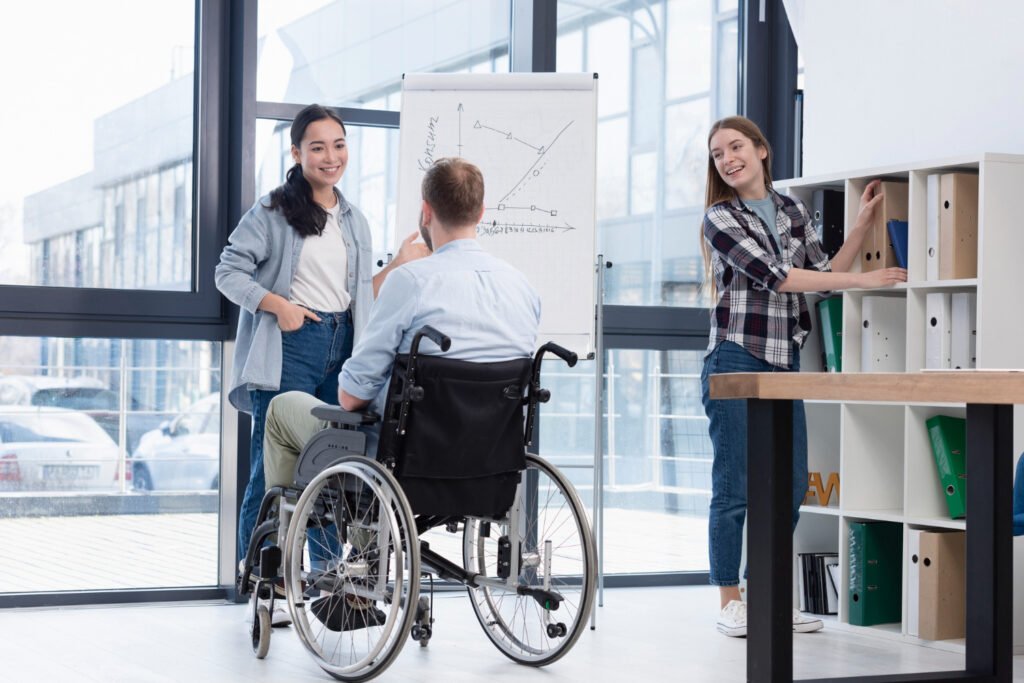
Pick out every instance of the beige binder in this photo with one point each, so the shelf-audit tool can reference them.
(942, 585)
(958, 226)
(876, 252)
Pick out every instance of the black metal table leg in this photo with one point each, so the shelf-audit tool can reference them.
(770, 541)
(989, 465)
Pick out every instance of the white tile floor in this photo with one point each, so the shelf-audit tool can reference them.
(648, 635)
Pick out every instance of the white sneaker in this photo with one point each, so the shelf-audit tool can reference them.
(279, 616)
(733, 619)
(805, 623)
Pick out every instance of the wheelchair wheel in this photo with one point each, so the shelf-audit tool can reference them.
(353, 613)
(535, 617)
(260, 632)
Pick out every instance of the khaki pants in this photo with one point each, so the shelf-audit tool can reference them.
(289, 425)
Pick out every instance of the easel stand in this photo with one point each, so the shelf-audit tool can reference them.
(600, 265)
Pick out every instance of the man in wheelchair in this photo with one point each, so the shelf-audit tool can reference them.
(452, 437)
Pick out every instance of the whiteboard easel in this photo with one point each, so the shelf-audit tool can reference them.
(534, 137)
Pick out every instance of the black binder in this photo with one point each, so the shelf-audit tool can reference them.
(827, 218)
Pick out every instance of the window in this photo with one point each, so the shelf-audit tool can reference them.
(352, 54)
(89, 453)
(81, 205)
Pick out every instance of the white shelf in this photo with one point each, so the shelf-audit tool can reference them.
(819, 510)
(887, 470)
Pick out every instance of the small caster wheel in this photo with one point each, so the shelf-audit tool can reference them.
(556, 630)
(416, 632)
(425, 633)
(261, 632)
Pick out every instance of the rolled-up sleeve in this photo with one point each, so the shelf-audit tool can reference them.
(247, 247)
(738, 249)
(369, 368)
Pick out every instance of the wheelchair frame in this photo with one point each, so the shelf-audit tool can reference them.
(511, 578)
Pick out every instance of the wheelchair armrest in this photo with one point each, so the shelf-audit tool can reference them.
(337, 414)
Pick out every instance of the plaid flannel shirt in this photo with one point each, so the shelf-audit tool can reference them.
(749, 269)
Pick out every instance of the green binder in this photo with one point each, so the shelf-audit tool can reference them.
(830, 332)
(876, 583)
(949, 446)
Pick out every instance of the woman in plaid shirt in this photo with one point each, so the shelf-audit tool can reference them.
(760, 255)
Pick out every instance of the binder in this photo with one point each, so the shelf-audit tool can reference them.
(832, 586)
(943, 586)
(948, 436)
(937, 336)
(827, 218)
(875, 590)
(913, 581)
(932, 227)
(958, 226)
(898, 238)
(877, 250)
(830, 332)
(883, 326)
(964, 331)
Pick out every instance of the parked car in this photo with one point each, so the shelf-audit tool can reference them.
(86, 394)
(54, 449)
(184, 453)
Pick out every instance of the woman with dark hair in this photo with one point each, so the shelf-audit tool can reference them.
(760, 255)
(299, 266)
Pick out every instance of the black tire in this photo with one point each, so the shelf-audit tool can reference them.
(142, 480)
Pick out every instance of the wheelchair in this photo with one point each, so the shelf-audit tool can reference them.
(452, 456)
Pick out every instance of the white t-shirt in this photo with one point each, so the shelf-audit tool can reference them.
(319, 282)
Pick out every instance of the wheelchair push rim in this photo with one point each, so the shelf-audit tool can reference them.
(366, 497)
(558, 555)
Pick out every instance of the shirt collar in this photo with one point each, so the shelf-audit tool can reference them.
(466, 244)
(739, 204)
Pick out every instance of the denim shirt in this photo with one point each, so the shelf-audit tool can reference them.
(261, 256)
(486, 306)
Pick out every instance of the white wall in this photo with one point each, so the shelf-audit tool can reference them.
(894, 81)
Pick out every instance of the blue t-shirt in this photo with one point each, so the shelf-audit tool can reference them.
(767, 212)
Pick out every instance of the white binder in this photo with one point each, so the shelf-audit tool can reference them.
(932, 224)
(883, 334)
(937, 335)
(913, 582)
(964, 331)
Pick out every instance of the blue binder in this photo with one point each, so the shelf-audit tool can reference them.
(898, 237)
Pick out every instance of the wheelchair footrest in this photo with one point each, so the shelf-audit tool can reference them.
(549, 600)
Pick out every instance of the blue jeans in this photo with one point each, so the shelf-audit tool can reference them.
(312, 357)
(728, 430)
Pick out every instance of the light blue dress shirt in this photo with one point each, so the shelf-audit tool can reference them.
(486, 306)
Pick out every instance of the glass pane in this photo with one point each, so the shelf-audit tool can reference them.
(688, 44)
(369, 181)
(100, 193)
(728, 89)
(349, 53)
(657, 464)
(667, 69)
(109, 449)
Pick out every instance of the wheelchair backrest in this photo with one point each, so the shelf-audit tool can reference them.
(463, 446)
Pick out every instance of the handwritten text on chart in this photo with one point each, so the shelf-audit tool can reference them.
(495, 228)
(429, 146)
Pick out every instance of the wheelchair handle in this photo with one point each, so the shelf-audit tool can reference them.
(568, 356)
(442, 340)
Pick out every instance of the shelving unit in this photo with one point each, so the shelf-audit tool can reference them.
(882, 450)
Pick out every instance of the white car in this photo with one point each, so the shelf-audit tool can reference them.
(52, 449)
(183, 454)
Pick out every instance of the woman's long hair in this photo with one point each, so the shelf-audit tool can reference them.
(718, 191)
(295, 197)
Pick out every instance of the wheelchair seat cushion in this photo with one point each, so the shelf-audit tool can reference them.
(463, 447)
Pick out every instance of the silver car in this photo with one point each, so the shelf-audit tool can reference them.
(52, 449)
(184, 453)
